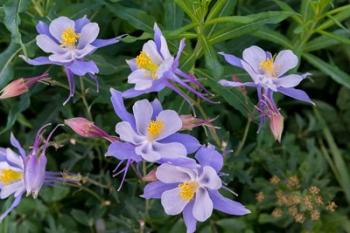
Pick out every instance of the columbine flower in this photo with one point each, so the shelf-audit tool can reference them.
(21, 86)
(150, 134)
(155, 68)
(69, 41)
(193, 189)
(268, 72)
(25, 172)
(88, 129)
(268, 75)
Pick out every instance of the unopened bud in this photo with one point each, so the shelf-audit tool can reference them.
(20, 86)
(88, 129)
(276, 125)
(150, 177)
(189, 122)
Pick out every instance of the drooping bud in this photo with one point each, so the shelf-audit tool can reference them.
(276, 125)
(88, 129)
(150, 177)
(21, 86)
(189, 122)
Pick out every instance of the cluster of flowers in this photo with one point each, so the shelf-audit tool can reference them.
(187, 185)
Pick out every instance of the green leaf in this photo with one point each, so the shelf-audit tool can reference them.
(336, 37)
(11, 20)
(332, 70)
(137, 18)
(211, 58)
(343, 13)
(273, 36)
(82, 217)
(173, 15)
(323, 42)
(23, 104)
(251, 23)
(186, 6)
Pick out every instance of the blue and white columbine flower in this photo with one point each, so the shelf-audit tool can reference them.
(268, 74)
(155, 68)
(193, 189)
(69, 42)
(149, 134)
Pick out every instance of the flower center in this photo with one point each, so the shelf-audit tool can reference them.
(187, 190)
(268, 67)
(8, 176)
(155, 128)
(143, 61)
(69, 37)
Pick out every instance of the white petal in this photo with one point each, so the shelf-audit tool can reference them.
(147, 152)
(284, 61)
(172, 202)
(88, 34)
(81, 53)
(58, 25)
(127, 133)
(203, 205)
(172, 123)
(62, 58)
(11, 188)
(209, 178)
(47, 44)
(170, 150)
(141, 78)
(150, 49)
(143, 112)
(14, 158)
(165, 67)
(168, 173)
(254, 55)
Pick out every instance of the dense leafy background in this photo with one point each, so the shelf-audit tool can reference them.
(315, 145)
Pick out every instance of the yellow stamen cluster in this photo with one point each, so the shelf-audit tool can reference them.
(187, 190)
(69, 37)
(143, 61)
(155, 128)
(9, 176)
(268, 67)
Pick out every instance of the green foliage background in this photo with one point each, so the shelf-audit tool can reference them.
(315, 144)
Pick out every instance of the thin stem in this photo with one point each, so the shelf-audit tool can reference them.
(83, 97)
(244, 138)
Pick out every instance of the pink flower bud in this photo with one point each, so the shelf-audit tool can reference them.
(20, 86)
(276, 125)
(189, 122)
(88, 129)
(151, 176)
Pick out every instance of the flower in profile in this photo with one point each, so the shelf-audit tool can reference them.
(21, 86)
(69, 42)
(88, 129)
(193, 189)
(149, 134)
(25, 173)
(155, 68)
